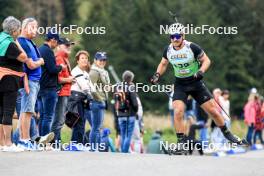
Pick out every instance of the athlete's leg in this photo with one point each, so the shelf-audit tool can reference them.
(179, 108)
(204, 98)
(179, 99)
(211, 108)
(202, 95)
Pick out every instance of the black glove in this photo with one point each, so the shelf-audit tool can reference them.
(199, 75)
(155, 78)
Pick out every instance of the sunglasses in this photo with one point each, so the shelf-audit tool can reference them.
(177, 36)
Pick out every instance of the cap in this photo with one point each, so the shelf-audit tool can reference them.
(53, 34)
(253, 90)
(66, 41)
(100, 56)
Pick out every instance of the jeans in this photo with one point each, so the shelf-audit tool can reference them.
(33, 126)
(59, 118)
(88, 115)
(97, 109)
(189, 114)
(203, 135)
(48, 103)
(79, 128)
(250, 133)
(258, 134)
(126, 125)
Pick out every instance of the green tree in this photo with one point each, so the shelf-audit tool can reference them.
(70, 12)
(9, 8)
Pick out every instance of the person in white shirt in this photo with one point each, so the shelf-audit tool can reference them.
(81, 86)
(225, 103)
(82, 82)
(137, 137)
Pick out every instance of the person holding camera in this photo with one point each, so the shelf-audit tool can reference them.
(81, 93)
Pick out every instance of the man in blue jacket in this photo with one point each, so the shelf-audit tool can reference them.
(48, 82)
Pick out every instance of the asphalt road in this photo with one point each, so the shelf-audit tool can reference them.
(116, 164)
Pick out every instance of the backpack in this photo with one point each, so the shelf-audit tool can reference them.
(121, 101)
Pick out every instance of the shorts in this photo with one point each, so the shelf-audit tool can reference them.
(196, 89)
(28, 101)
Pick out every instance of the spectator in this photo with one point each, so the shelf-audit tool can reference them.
(225, 103)
(202, 118)
(11, 67)
(48, 82)
(116, 126)
(154, 145)
(137, 144)
(258, 121)
(126, 107)
(28, 100)
(34, 133)
(64, 89)
(217, 136)
(190, 113)
(82, 89)
(100, 77)
(106, 142)
(250, 113)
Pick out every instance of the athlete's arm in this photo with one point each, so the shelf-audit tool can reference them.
(162, 66)
(200, 55)
(205, 63)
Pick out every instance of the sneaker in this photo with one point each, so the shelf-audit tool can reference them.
(178, 150)
(27, 146)
(46, 139)
(1, 148)
(12, 148)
